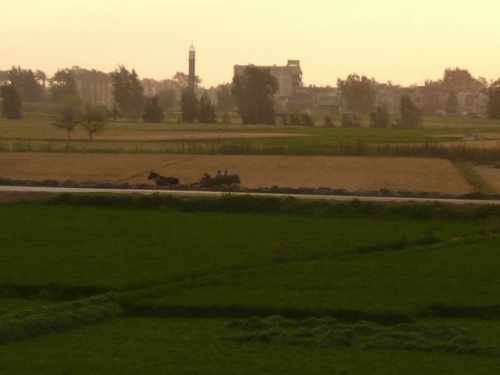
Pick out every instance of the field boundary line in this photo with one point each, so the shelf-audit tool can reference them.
(58, 190)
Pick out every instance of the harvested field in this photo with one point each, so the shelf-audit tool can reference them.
(350, 173)
(148, 136)
(490, 174)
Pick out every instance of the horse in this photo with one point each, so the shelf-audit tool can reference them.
(162, 180)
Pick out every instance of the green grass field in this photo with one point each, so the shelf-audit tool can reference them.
(338, 288)
(189, 346)
(413, 288)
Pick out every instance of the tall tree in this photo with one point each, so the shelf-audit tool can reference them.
(380, 118)
(68, 114)
(493, 107)
(11, 102)
(358, 92)
(93, 86)
(254, 91)
(4, 77)
(411, 115)
(452, 103)
(152, 111)
(137, 94)
(26, 84)
(225, 101)
(189, 105)
(430, 99)
(41, 77)
(181, 80)
(127, 91)
(166, 90)
(167, 100)
(459, 80)
(207, 111)
(63, 85)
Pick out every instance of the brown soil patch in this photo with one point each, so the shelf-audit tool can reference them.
(350, 173)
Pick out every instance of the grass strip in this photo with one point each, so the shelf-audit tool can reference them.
(479, 184)
(329, 332)
(360, 145)
(34, 322)
(293, 206)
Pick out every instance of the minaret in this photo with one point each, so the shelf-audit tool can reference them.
(192, 75)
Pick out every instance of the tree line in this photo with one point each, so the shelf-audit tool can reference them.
(358, 92)
(251, 94)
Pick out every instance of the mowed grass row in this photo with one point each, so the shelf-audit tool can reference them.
(186, 346)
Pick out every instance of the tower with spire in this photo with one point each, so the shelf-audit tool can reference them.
(192, 75)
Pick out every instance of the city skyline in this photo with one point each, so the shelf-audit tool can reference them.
(402, 43)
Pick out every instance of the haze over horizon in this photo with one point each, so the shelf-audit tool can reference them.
(398, 42)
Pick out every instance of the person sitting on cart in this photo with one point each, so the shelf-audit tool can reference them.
(205, 179)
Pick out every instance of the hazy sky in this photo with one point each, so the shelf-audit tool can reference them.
(402, 41)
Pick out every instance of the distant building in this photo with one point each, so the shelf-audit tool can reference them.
(316, 101)
(469, 103)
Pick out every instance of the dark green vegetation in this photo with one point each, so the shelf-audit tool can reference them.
(254, 91)
(411, 115)
(11, 102)
(328, 332)
(152, 111)
(494, 102)
(191, 274)
(185, 346)
(47, 319)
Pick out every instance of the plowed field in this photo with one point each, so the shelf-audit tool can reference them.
(351, 173)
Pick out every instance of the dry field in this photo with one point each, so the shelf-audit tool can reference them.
(150, 136)
(116, 132)
(351, 173)
(490, 174)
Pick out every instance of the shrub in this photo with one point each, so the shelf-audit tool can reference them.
(294, 119)
(380, 118)
(350, 121)
(307, 120)
(29, 323)
(152, 111)
(11, 102)
(411, 115)
(328, 122)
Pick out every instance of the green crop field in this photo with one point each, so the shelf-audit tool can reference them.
(245, 286)
(135, 137)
